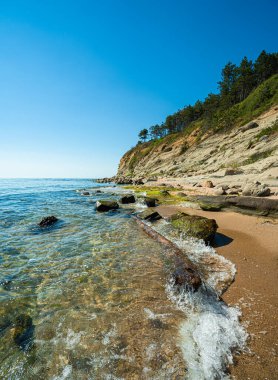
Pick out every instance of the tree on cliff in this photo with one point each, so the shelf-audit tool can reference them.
(143, 135)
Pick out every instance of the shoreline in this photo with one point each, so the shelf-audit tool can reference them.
(250, 243)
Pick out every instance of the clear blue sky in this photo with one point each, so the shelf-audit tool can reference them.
(79, 79)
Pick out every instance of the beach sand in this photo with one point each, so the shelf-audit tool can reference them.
(251, 243)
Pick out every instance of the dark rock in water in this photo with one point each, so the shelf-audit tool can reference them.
(23, 331)
(129, 198)
(150, 202)
(98, 191)
(85, 193)
(195, 226)
(6, 284)
(186, 276)
(157, 324)
(103, 205)
(48, 221)
(149, 214)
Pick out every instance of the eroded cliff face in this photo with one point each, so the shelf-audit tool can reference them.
(249, 149)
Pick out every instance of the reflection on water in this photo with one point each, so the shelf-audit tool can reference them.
(94, 287)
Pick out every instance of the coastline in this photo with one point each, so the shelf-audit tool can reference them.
(251, 243)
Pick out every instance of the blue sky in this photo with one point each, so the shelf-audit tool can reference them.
(79, 79)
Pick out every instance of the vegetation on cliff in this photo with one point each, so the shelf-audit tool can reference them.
(221, 110)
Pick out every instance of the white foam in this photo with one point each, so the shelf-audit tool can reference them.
(65, 374)
(211, 332)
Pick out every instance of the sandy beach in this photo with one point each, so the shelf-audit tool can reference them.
(251, 243)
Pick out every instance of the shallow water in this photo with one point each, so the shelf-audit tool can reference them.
(94, 286)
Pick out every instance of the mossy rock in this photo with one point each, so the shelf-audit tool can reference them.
(103, 205)
(195, 226)
(211, 206)
(23, 331)
(149, 214)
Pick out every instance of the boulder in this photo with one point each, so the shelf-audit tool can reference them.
(256, 190)
(232, 191)
(248, 126)
(150, 202)
(211, 207)
(184, 276)
(232, 172)
(129, 198)
(149, 214)
(138, 181)
(85, 193)
(48, 221)
(103, 205)
(219, 191)
(195, 226)
(208, 184)
(23, 331)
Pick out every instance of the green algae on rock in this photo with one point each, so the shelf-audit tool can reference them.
(195, 226)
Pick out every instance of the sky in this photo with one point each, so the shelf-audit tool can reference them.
(79, 79)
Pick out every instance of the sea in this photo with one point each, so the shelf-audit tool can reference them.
(92, 297)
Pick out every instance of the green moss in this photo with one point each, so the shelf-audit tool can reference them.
(195, 226)
(211, 207)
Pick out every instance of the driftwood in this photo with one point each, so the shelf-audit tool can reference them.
(185, 272)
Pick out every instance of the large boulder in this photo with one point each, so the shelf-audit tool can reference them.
(85, 193)
(128, 198)
(195, 226)
(248, 126)
(149, 214)
(208, 184)
(150, 202)
(103, 205)
(256, 190)
(48, 221)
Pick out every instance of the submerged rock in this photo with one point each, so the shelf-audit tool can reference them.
(149, 214)
(103, 205)
(129, 198)
(48, 221)
(85, 193)
(23, 331)
(211, 206)
(186, 276)
(150, 202)
(195, 226)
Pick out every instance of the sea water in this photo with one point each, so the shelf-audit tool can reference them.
(100, 294)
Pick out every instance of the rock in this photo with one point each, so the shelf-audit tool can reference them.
(195, 226)
(138, 181)
(208, 184)
(98, 191)
(186, 276)
(219, 191)
(149, 214)
(232, 172)
(129, 198)
(211, 207)
(165, 193)
(248, 126)
(103, 205)
(23, 331)
(48, 221)
(232, 191)
(150, 202)
(85, 193)
(256, 190)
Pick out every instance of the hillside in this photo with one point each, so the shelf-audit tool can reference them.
(205, 150)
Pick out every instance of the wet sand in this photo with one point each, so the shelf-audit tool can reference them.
(252, 244)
